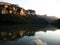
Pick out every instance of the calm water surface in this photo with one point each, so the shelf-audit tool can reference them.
(29, 35)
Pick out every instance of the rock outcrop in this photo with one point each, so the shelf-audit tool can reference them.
(7, 8)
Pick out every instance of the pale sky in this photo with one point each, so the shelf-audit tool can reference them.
(49, 7)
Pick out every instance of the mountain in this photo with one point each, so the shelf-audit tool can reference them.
(14, 14)
(50, 19)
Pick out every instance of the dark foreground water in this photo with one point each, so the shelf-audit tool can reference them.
(29, 34)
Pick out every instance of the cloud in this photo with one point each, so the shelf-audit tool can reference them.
(40, 42)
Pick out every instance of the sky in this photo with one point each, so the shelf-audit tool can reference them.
(49, 7)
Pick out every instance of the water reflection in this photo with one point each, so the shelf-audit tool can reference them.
(27, 34)
(50, 37)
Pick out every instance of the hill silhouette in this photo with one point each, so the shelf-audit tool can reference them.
(56, 23)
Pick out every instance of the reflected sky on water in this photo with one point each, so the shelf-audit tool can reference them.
(51, 37)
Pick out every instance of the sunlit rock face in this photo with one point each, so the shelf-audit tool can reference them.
(30, 12)
(7, 8)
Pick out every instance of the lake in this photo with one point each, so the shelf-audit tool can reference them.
(29, 34)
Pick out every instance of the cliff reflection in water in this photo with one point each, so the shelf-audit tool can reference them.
(14, 32)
